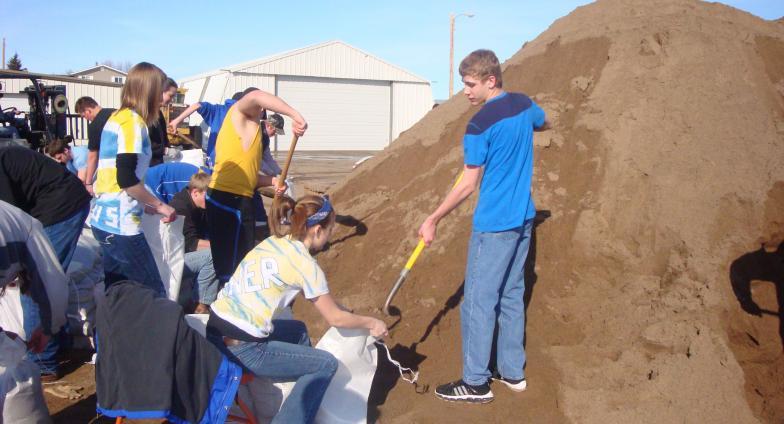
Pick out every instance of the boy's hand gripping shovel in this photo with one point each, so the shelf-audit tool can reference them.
(411, 261)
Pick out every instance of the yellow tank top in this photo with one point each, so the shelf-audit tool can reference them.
(236, 169)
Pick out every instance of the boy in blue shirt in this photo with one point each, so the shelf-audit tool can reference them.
(74, 158)
(500, 139)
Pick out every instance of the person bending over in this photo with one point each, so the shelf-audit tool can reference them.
(268, 279)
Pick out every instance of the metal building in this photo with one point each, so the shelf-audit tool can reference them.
(351, 99)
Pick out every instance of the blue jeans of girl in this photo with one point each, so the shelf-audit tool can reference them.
(286, 355)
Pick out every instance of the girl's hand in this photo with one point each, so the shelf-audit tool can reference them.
(168, 212)
(378, 328)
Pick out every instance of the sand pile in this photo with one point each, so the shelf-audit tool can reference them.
(663, 170)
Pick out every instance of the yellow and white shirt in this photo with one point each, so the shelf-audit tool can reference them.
(115, 211)
(268, 278)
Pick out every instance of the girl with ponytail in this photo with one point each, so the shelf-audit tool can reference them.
(270, 276)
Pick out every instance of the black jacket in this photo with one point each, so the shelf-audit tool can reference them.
(151, 364)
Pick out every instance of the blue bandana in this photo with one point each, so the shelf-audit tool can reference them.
(322, 213)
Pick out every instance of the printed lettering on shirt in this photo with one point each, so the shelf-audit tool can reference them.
(247, 275)
(269, 273)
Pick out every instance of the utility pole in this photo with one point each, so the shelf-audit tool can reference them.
(452, 18)
(3, 52)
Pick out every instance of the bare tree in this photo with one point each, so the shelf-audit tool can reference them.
(120, 66)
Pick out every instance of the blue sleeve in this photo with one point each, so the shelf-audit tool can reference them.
(476, 144)
(537, 115)
(79, 158)
(206, 110)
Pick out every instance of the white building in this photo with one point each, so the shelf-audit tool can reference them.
(351, 99)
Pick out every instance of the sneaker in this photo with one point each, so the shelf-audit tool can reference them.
(459, 391)
(516, 385)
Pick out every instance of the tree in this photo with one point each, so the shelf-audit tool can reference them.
(120, 66)
(14, 63)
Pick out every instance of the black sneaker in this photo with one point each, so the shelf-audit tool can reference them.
(459, 391)
(516, 385)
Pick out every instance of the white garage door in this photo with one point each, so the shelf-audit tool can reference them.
(342, 114)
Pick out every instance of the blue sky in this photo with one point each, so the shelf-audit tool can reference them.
(189, 37)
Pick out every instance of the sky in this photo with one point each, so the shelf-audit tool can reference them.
(185, 38)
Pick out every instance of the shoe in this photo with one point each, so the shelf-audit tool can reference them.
(459, 391)
(516, 385)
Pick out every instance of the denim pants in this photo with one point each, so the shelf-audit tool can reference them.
(31, 319)
(494, 288)
(286, 355)
(199, 267)
(63, 236)
(128, 258)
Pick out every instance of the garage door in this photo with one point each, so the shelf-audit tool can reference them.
(342, 114)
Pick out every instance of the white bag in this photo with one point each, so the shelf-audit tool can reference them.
(194, 157)
(347, 394)
(168, 247)
(84, 272)
(11, 316)
(21, 396)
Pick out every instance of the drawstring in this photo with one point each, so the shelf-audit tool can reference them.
(401, 369)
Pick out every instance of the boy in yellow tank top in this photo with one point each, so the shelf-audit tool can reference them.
(238, 150)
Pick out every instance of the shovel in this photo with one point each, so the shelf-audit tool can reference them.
(411, 261)
(282, 179)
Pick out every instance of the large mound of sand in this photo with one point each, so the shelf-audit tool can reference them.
(660, 173)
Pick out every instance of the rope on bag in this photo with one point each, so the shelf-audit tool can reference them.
(400, 368)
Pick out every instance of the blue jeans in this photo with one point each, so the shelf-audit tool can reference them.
(47, 358)
(286, 355)
(64, 235)
(198, 265)
(494, 288)
(128, 258)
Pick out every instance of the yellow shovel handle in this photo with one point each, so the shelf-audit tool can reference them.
(415, 255)
(421, 245)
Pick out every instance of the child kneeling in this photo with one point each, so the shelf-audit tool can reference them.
(268, 279)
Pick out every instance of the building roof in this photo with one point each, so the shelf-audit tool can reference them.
(290, 63)
(92, 68)
(64, 78)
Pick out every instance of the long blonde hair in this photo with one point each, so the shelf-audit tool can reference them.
(142, 91)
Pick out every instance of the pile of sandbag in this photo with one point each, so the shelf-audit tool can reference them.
(84, 272)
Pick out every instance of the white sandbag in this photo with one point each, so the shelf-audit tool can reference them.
(198, 322)
(168, 247)
(194, 157)
(11, 316)
(21, 396)
(84, 272)
(346, 398)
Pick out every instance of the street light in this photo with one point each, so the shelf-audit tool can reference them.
(452, 18)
